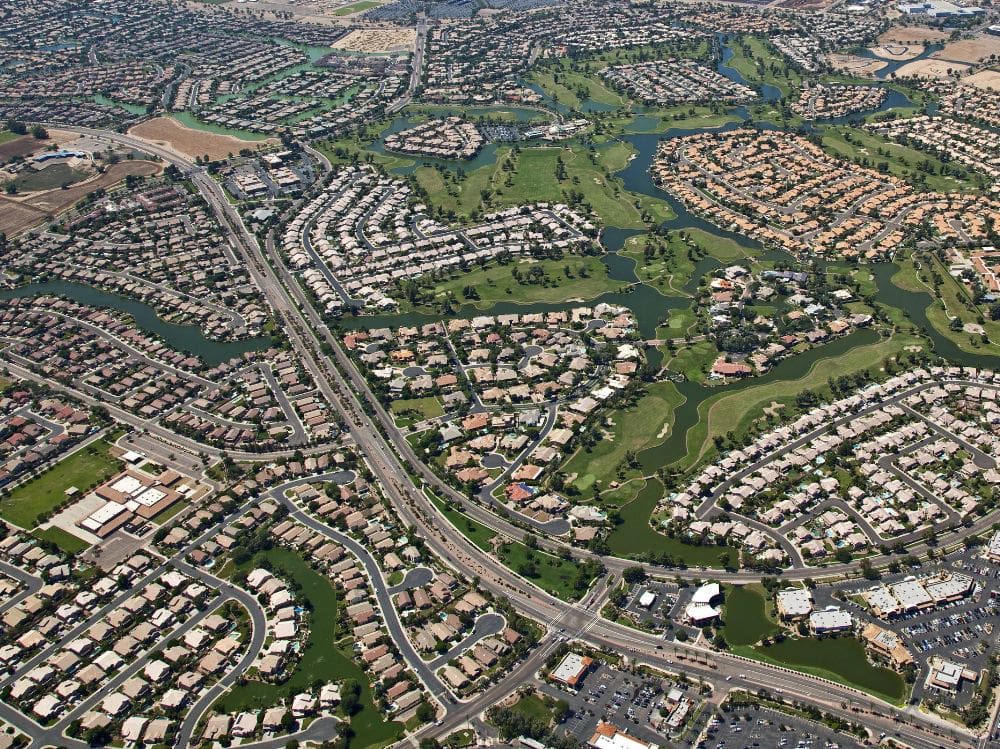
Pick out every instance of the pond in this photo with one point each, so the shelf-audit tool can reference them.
(186, 338)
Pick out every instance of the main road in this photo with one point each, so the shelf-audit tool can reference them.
(349, 393)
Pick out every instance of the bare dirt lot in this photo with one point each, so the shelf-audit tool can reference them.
(169, 133)
(930, 69)
(985, 79)
(378, 40)
(895, 51)
(854, 65)
(16, 215)
(912, 35)
(20, 147)
(970, 50)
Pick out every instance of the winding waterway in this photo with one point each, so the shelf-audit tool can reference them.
(187, 338)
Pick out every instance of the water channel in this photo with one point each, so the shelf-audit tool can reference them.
(187, 338)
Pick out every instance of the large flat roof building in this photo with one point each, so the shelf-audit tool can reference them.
(606, 736)
(794, 603)
(571, 669)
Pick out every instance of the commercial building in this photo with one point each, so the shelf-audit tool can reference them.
(606, 736)
(571, 669)
(701, 609)
(647, 599)
(830, 620)
(948, 675)
(993, 548)
(886, 644)
(794, 603)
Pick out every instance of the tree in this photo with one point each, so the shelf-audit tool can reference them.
(425, 712)
(39, 133)
(633, 575)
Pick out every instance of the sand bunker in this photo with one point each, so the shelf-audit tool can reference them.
(169, 133)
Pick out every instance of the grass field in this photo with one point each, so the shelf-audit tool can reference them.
(321, 659)
(902, 161)
(355, 8)
(478, 533)
(840, 659)
(674, 258)
(551, 573)
(7, 135)
(745, 616)
(763, 64)
(951, 301)
(428, 408)
(63, 539)
(681, 116)
(535, 707)
(572, 277)
(83, 469)
(48, 178)
(534, 178)
(635, 428)
(572, 83)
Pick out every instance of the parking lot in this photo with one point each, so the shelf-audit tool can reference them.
(631, 702)
(962, 631)
(655, 614)
(746, 728)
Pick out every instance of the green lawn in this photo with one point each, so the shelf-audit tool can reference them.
(745, 616)
(355, 8)
(63, 539)
(550, 573)
(428, 408)
(535, 707)
(84, 469)
(840, 659)
(635, 428)
(321, 659)
(534, 178)
(902, 160)
(951, 300)
(478, 533)
(572, 83)
(49, 178)
(572, 277)
(7, 135)
(673, 258)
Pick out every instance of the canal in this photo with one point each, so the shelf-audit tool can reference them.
(186, 338)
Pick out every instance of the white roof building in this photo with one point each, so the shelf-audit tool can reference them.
(829, 620)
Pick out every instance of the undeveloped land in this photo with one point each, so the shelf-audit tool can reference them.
(984, 79)
(970, 50)
(18, 215)
(20, 147)
(912, 35)
(928, 68)
(893, 51)
(377, 40)
(169, 133)
(855, 65)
